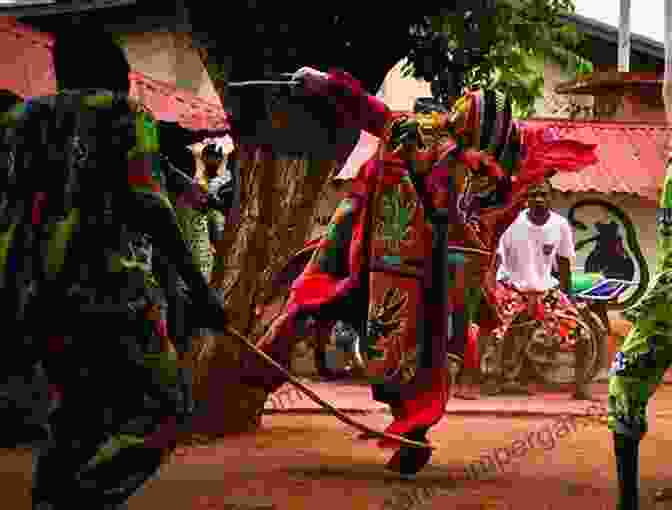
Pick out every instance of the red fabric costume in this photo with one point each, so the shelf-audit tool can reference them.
(360, 264)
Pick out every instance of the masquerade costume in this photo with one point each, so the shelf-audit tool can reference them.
(377, 266)
(77, 244)
(24, 390)
(645, 356)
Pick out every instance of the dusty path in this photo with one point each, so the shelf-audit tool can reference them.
(314, 462)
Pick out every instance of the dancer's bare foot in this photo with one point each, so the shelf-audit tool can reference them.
(409, 461)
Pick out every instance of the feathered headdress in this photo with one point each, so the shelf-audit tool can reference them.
(544, 152)
(488, 138)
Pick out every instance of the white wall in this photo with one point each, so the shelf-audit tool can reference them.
(400, 92)
(642, 212)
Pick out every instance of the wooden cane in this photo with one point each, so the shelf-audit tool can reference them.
(325, 405)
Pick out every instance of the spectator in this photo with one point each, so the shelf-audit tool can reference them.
(538, 241)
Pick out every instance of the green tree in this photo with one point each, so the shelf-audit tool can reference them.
(500, 46)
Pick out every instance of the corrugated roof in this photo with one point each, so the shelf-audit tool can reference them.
(168, 103)
(47, 8)
(631, 157)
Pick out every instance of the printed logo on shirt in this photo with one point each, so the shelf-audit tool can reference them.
(11, 161)
(665, 222)
(547, 249)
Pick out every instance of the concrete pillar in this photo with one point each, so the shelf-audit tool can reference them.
(624, 37)
(667, 80)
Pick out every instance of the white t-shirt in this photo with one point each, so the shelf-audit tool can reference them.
(529, 251)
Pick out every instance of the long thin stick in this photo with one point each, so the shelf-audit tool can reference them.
(476, 251)
(260, 82)
(315, 398)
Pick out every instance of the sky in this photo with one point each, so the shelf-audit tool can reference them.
(646, 16)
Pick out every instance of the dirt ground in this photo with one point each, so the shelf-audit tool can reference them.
(297, 462)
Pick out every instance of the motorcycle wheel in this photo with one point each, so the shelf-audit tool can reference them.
(556, 367)
(601, 336)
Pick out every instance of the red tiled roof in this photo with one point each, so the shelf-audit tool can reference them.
(168, 103)
(26, 65)
(631, 157)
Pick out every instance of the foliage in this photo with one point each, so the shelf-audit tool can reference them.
(494, 43)
(464, 43)
(216, 70)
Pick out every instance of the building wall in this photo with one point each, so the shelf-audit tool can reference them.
(642, 212)
(400, 92)
(170, 58)
(27, 65)
(554, 105)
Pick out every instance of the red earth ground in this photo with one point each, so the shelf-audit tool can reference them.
(313, 461)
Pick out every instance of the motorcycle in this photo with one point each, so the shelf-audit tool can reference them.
(548, 345)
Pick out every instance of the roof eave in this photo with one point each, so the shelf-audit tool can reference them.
(608, 33)
(598, 81)
(22, 11)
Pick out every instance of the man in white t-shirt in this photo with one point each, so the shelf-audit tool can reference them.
(532, 246)
(536, 244)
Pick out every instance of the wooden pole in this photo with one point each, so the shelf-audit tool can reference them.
(624, 37)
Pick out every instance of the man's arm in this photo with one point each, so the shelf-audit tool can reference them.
(566, 254)
(498, 262)
(502, 246)
(160, 222)
(565, 272)
(148, 210)
(354, 106)
(491, 280)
